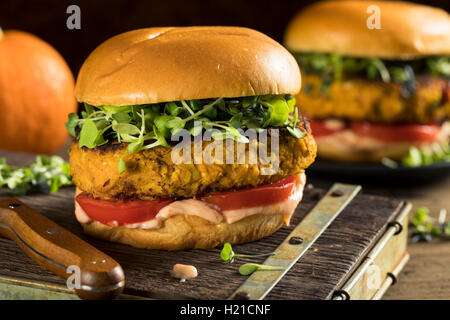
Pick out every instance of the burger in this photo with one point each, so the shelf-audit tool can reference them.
(189, 137)
(375, 79)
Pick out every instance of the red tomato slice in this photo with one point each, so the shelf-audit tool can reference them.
(134, 211)
(319, 128)
(397, 132)
(120, 212)
(253, 197)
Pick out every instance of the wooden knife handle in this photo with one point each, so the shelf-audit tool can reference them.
(57, 249)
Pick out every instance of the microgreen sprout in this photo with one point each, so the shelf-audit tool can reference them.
(45, 174)
(334, 66)
(151, 125)
(227, 254)
(249, 268)
(425, 227)
(434, 153)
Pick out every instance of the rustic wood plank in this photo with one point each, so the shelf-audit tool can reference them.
(315, 276)
(426, 275)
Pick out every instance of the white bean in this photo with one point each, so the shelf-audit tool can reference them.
(183, 271)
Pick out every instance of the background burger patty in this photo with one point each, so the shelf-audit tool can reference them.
(376, 101)
(152, 174)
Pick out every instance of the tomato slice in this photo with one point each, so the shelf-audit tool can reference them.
(120, 212)
(253, 197)
(397, 132)
(320, 129)
(114, 213)
(382, 132)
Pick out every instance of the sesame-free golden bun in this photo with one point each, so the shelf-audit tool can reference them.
(181, 63)
(407, 30)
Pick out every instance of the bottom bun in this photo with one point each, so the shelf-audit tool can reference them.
(182, 232)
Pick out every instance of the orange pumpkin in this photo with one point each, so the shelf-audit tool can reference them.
(36, 94)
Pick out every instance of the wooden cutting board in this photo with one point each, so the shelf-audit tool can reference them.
(319, 273)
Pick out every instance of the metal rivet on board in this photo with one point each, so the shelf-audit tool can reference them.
(241, 295)
(337, 193)
(95, 261)
(53, 231)
(295, 240)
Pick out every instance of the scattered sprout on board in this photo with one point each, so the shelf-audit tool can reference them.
(45, 174)
(248, 268)
(425, 227)
(227, 254)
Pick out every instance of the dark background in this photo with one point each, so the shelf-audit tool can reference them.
(101, 19)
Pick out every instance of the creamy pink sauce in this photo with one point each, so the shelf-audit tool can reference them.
(206, 211)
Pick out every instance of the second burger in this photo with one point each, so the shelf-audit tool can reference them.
(375, 79)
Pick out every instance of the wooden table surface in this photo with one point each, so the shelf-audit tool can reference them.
(427, 274)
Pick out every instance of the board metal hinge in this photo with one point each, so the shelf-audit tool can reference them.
(394, 228)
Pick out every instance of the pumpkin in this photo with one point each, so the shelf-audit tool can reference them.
(36, 94)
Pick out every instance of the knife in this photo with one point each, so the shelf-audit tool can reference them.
(93, 275)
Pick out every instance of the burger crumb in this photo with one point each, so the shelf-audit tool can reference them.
(183, 272)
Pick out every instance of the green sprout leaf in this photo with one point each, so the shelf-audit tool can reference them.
(45, 174)
(278, 112)
(290, 100)
(121, 117)
(122, 166)
(381, 69)
(160, 137)
(228, 255)
(161, 125)
(446, 229)
(249, 268)
(175, 124)
(195, 130)
(72, 123)
(421, 220)
(125, 128)
(425, 227)
(88, 134)
(173, 109)
(333, 67)
(296, 132)
(135, 146)
(152, 125)
(426, 155)
(88, 109)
